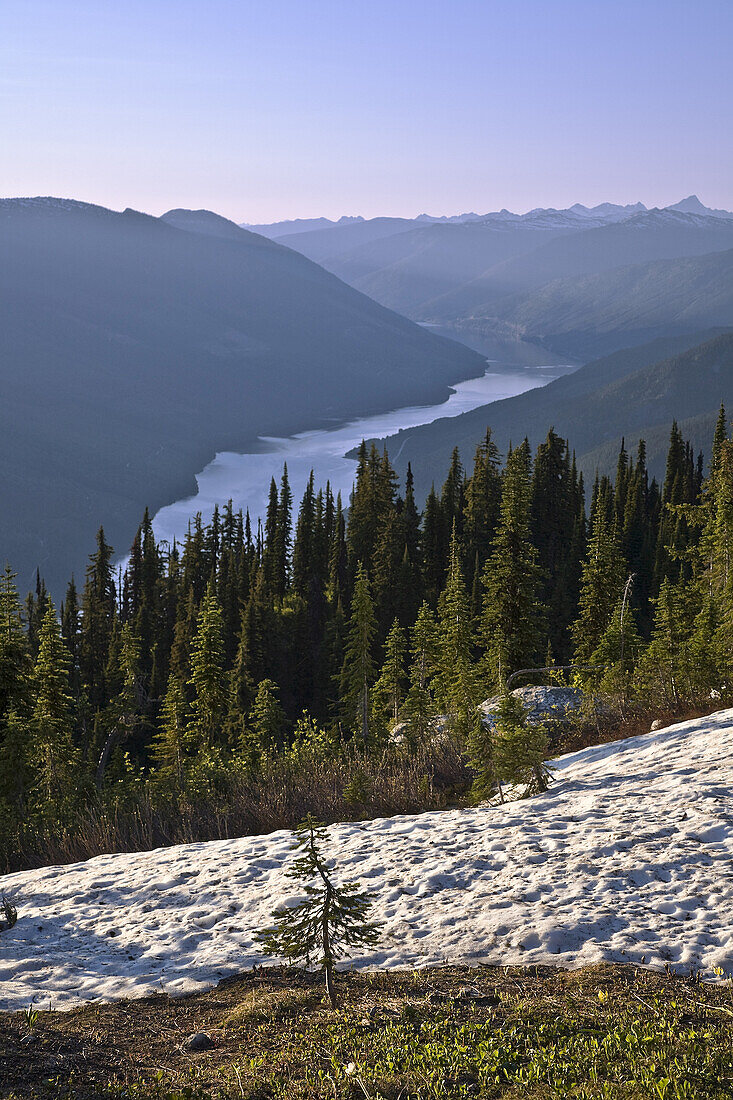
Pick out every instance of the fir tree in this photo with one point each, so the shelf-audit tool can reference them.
(601, 585)
(456, 683)
(357, 671)
(266, 719)
(520, 747)
(329, 921)
(99, 611)
(56, 760)
(512, 617)
(419, 707)
(171, 742)
(208, 707)
(664, 669)
(15, 660)
(389, 690)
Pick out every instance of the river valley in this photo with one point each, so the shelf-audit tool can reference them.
(245, 478)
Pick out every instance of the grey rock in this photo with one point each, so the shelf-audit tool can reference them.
(199, 1041)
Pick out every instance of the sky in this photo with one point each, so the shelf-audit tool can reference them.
(299, 108)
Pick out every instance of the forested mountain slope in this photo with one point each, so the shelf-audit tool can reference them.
(628, 305)
(653, 235)
(131, 351)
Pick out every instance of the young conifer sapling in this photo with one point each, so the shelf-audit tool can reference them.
(329, 921)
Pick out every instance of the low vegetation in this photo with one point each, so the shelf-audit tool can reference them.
(606, 1032)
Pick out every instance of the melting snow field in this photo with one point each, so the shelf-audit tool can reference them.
(628, 858)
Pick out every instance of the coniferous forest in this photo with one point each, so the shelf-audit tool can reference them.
(251, 667)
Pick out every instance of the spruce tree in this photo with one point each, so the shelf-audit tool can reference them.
(56, 760)
(208, 681)
(456, 683)
(99, 612)
(170, 744)
(617, 654)
(266, 718)
(419, 706)
(481, 509)
(389, 690)
(663, 673)
(601, 586)
(15, 662)
(357, 671)
(554, 514)
(520, 748)
(328, 921)
(512, 617)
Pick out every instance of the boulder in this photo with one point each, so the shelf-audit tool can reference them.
(543, 703)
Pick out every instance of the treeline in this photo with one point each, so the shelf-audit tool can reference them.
(322, 631)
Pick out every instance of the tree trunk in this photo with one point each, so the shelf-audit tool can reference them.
(112, 739)
(327, 957)
(365, 713)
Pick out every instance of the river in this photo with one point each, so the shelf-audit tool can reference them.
(245, 478)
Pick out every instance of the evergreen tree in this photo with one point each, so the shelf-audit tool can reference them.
(266, 719)
(512, 617)
(601, 586)
(481, 510)
(282, 538)
(57, 764)
(554, 514)
(15, 661)
(99, 611)
(389, 690)
(419, 707)
(452, 497)
(328, 921)
(208, 707)
(357, 671)
(664, 669)
(171, 742)
(520, 748)
(617, 654)
(434, 548)
(456, 684)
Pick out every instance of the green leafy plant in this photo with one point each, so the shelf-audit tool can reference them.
(9, 913)
(328, 921)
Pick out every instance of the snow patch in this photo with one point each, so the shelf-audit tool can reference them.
(627, 858)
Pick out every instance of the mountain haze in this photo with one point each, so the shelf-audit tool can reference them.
(617, 308)
(564, 278)
(132, 350)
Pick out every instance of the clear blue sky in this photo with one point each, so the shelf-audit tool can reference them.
(294, 108)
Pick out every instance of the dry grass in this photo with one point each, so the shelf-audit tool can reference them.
(356, 786)
(261, 1005)
(353, 787)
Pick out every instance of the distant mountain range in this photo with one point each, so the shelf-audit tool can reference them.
(635, 393)
(133, 348)
(493, 273)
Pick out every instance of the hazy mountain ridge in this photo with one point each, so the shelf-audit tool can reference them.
(451, 273)
(601, 311)
(131, 351)
(634, 393)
